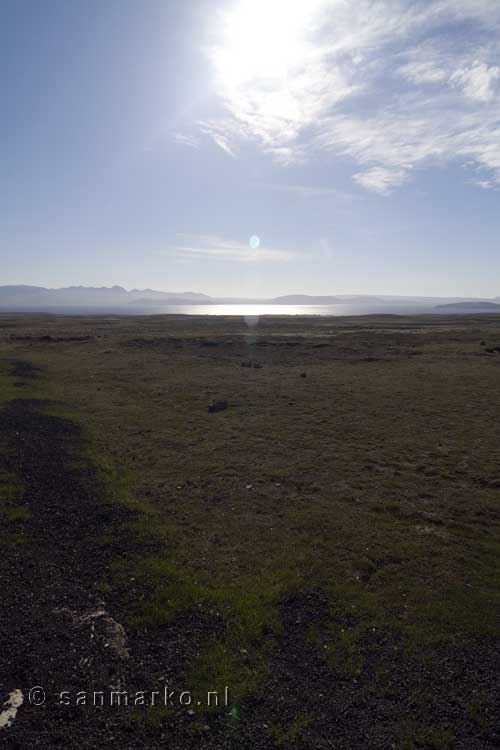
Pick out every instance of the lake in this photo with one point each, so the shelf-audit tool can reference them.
(257, 310)
(252, 310)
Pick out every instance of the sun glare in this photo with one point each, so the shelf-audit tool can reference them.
(263, 39)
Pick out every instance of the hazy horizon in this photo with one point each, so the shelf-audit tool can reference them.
(250, 148)
(202, 293)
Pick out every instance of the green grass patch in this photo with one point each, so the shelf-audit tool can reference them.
(12, 513)
(413, 736)
(290, 736)
(13, 387)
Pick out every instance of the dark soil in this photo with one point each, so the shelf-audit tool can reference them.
(51, 633)
(20, 368)
(366, 698)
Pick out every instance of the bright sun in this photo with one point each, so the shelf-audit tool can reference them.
(263, 39)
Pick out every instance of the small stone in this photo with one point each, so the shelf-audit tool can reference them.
(217, 406)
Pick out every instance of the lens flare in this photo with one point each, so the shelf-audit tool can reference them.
(254, 242)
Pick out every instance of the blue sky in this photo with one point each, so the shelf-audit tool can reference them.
(145, 141)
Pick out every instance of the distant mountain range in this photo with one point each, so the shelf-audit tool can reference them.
(35, 297)
(116, 298)
(471, 305)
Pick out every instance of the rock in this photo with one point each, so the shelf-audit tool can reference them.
(107, 630)
(217, 406)
(10, 707)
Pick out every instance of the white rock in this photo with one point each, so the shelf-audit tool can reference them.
(13, 702)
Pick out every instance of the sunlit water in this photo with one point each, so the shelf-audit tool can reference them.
(254, 310)
(259, 310)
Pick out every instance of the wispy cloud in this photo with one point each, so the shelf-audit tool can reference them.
(186, 140)
(389, 83)
(485, 184)
(380, 179)
(210, 246)
(218, 133)
(308, 191)
(478, 81)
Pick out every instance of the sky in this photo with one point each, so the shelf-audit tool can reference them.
(251, 147)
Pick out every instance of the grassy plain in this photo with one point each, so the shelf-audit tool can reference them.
(344, 508)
